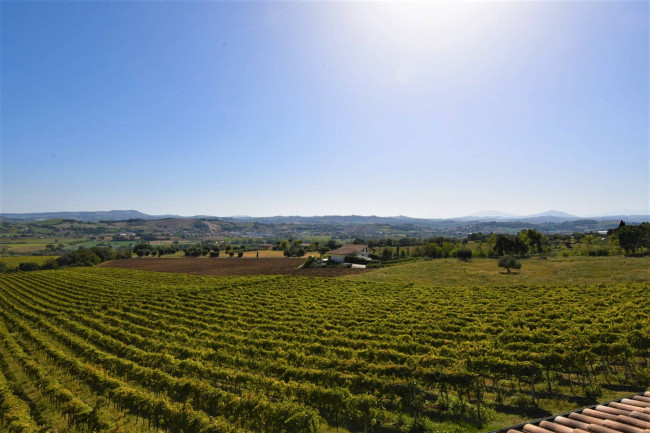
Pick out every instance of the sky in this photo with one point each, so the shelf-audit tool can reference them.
(319, 108)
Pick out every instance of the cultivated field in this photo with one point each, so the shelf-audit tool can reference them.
(228, 266)
(105, 349)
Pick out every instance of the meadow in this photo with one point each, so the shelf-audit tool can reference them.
(12, 262)
(553, 271)
(106, 349)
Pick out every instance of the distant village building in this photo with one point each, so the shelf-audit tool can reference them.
(338, 255)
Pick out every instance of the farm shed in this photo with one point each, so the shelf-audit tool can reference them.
(338, 255)
(627, 415)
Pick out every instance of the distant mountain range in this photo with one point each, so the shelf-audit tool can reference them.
(496, 215)
(92, 216)
(551, 216)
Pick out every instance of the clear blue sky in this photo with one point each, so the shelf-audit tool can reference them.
(265, 108)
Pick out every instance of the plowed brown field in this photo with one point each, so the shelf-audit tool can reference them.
(228, 266)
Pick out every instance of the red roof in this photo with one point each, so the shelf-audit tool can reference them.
(349, 249)
(628, 415)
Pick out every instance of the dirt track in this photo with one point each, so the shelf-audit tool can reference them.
(228, 266)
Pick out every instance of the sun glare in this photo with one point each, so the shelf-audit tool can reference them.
(414, 40)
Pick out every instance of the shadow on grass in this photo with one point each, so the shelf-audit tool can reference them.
(582, 401)
(529, 412)
(617, 387)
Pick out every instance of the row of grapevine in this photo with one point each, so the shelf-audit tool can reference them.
(287, 354)
(15, 413)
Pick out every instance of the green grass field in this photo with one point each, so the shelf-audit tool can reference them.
(14, 261)
(556, 271)
(113, 244)
(34, 244)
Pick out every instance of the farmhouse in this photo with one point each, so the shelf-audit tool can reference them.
(349, 250)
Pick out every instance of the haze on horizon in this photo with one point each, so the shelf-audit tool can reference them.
(322, 108)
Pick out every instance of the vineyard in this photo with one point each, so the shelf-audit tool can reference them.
(108, 350)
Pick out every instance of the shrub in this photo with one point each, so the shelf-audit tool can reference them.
(294, 252)
(309, 263)
(356, 260)
(28, 267)
(51, 264)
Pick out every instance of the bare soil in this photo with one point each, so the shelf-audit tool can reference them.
(228, 266)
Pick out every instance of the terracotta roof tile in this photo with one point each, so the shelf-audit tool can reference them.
(349, 249)
(627, 415)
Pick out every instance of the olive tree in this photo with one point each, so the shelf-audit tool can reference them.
(509, 262)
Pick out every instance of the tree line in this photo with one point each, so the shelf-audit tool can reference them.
(81, 257)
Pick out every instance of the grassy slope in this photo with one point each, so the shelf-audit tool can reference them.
(480, 272)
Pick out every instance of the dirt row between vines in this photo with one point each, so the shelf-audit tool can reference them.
(228, 266)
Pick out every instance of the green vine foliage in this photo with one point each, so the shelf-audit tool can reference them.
(290, 354)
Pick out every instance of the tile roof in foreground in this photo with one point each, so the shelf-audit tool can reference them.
(627, 415)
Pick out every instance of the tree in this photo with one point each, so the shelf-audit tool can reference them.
(509, 262)
(387, 253)
(333, 244)
(533, 238)
(516, 245)
(504, 244)
(464, 254)
(630, 238)
(142, 249)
